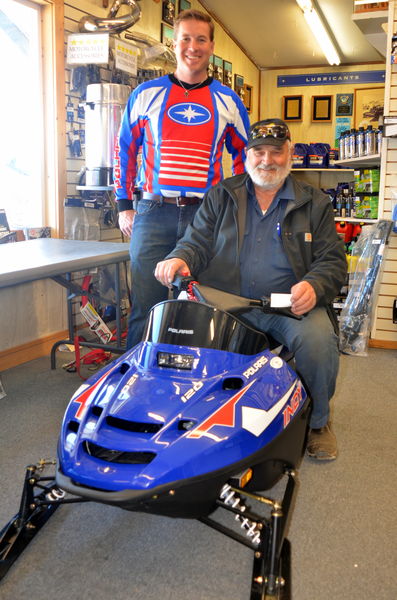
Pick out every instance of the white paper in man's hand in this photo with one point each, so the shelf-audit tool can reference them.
(280, 300)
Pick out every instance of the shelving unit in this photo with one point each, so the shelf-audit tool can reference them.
(323, 178)
(310, 169)
(362, 162)
(354, 220)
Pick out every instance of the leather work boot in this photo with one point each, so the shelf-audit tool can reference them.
(321, 443)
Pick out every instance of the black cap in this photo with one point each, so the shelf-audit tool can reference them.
(268, 131)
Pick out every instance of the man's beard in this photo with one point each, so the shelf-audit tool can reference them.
(268, 178)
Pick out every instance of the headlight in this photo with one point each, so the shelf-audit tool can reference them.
(175, 361)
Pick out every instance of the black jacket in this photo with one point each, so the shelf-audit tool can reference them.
(211, 245)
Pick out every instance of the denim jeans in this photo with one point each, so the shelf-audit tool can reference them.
(315, 345)
(157, 228)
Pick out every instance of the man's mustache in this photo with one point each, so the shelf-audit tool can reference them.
(267, 168)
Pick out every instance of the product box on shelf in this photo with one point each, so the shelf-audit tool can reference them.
(366, 181)
(34, 233)
(318, 156)
(300, 156)
(333, 155)
(366, 207)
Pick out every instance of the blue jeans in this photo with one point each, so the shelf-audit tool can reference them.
(315, 345)
(157, 228)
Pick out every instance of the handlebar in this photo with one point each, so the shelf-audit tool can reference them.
(226, 301)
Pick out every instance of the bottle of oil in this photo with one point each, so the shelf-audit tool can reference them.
(342, 146)
(347, 144)
(370, 145)
(379, 136)
(360, 142)
(352, 143)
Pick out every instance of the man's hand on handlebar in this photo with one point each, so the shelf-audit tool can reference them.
(167, 269)
(303, 298)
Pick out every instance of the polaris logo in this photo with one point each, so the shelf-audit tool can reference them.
(189, 113)
(184, 331)
(255, 367)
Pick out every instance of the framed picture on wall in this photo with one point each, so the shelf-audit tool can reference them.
(184, 5)
(247, 97)
(218, 68)
(168, 14)
(238, 82)
(321, 109)
(210, 68)
(227, 73)
(167, 35)
(292, 108)
(239, 86)
(368, 106)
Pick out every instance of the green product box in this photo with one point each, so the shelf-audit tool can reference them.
(366, 180)
(373, 202)
(363, 207)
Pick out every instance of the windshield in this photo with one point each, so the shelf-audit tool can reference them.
(189, 323)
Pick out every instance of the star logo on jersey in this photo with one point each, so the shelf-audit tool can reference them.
(189, 113)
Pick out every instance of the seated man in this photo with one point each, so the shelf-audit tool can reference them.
(263, 232)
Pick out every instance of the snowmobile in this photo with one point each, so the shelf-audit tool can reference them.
(206, 413)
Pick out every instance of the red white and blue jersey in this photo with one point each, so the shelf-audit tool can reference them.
(181, 138)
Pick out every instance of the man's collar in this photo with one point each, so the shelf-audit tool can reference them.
(287, 191)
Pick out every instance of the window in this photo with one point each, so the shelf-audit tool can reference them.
(22, 156)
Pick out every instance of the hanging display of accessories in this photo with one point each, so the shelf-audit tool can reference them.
(355, 318)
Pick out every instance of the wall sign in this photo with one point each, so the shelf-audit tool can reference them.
(126, 57)
(87, 49)
(344, 105)
(332, 78)
(342, 124)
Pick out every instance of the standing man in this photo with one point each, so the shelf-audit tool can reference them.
(263, 232)
(180, 123)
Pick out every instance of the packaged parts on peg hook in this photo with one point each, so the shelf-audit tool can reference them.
(355, 318)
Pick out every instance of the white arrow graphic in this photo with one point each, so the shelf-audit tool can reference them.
(255, 420)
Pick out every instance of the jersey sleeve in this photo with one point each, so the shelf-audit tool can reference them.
(127, 146)
(237, 136)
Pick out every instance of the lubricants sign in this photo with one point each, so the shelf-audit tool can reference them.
(332, 78)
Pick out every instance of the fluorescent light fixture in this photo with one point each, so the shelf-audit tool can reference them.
(305, 4)
(319, 31)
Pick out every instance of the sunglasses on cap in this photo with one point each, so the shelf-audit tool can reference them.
(275, 130)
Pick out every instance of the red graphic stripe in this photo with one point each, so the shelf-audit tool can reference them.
(82, 399)
(225, 415)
